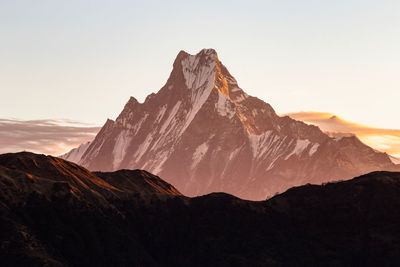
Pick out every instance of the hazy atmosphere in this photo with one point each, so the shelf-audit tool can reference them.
(55, 53)
(81, 60)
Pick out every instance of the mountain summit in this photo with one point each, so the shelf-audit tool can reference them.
(203, 133)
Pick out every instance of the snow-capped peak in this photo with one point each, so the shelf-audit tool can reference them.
(203, 133)
(203, 72)
(199, 70)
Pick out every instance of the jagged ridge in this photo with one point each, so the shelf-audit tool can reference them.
(203, 133)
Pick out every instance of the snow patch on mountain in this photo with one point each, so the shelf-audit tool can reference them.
(313, 149)
(300, 146)
(260, 143)
(198, 154)
(171, 118)
(159, 161)
(234, 153)
(224, 106)
(161, 113)
(143, 147)
(75, 154)
(121, 145)
(197, 75)
(235, 89)
(198, 98)
(137, 126)
(189, 65)
(241, 97)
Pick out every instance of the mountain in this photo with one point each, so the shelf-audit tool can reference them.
(336, 126)
(75, 154)
(202, 133)
(25, 174)
(56, 213)
(395, 160)
(138, 182)
(107, 222)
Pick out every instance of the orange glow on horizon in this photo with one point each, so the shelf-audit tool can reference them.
(385, 140)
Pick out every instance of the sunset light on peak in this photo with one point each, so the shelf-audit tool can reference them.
(386, 140)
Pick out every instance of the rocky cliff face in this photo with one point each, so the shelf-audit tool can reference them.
(203, 133)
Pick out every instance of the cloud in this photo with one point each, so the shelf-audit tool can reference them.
(56, 137)
(386, 140)
(51, 136)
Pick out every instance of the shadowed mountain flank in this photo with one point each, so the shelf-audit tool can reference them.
(55, 213)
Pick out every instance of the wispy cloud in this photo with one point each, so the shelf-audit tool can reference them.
(56, 137)
(51, 136)
(387, 140)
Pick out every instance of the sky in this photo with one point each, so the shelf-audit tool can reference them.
(80, 60)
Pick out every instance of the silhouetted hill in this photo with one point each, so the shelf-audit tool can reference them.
(139, 182)
(132, 218)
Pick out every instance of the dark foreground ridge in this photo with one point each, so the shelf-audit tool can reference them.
(55, 213)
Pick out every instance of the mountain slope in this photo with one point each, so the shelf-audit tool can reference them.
(25, 174)
(203, 134)
(138, 182)
(351, 223)
(75, 154)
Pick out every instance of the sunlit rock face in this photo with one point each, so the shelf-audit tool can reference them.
(203, 133)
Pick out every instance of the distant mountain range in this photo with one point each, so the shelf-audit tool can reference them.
(203, 134)
(387, 140)
(56, 213)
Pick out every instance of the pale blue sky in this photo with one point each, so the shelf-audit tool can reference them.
(81, 60)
